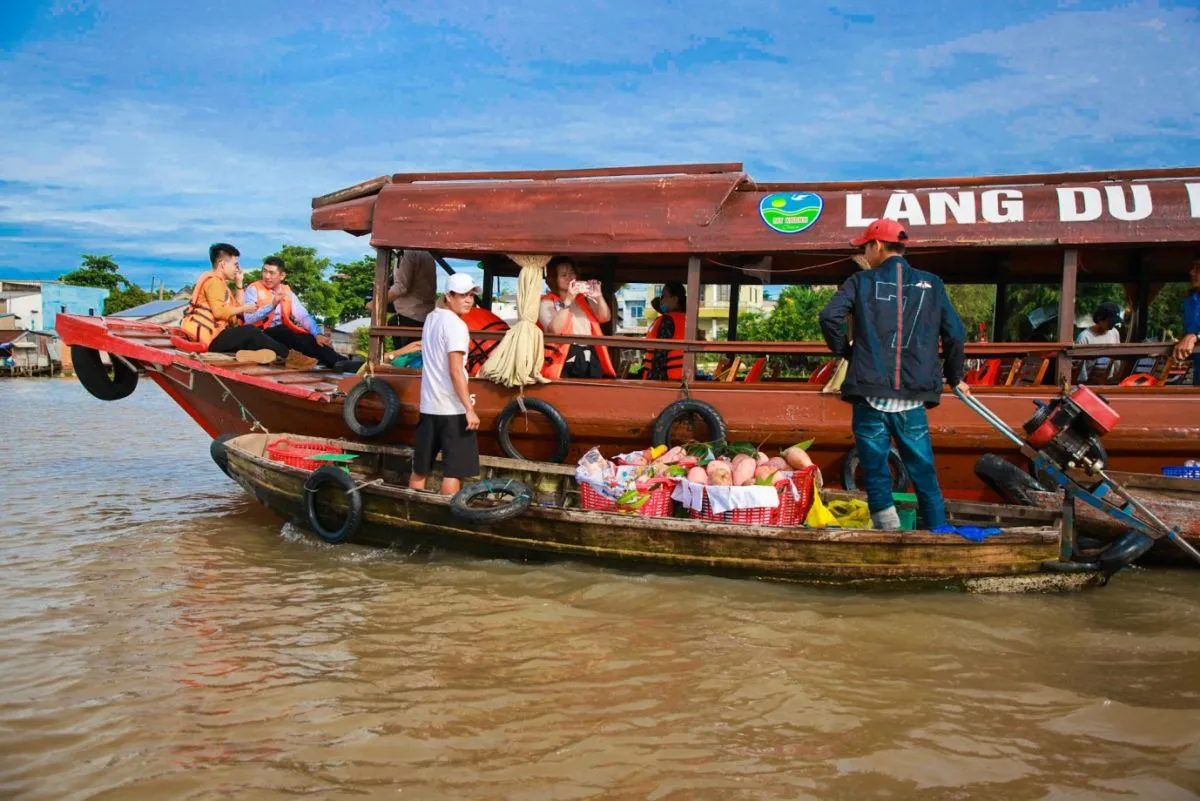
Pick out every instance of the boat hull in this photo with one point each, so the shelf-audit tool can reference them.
(619, 416)
(397, 517)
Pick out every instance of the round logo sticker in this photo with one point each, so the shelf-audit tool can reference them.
(791, 212)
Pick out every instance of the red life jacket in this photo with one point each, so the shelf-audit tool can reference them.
(556, 354)
(480, 319)
(674, 357)
(262, 299)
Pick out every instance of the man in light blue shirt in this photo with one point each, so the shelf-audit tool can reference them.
(283, 317)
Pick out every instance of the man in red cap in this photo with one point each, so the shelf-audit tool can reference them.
(899, 314)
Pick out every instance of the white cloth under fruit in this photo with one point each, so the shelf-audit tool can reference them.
(723, 499)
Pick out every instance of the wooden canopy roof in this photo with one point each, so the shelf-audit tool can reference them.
(644, 223)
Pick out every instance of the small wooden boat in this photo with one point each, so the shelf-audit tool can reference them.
(1175, 501)
(556, 526)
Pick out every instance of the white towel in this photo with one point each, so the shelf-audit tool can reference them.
(723, 499)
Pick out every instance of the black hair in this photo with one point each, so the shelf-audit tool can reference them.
(552, 265)
(676, 288)
(275, 261)
(220, 249)
(893, 247)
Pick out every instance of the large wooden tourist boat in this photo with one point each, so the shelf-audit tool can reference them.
(713, 224)
(379, 509)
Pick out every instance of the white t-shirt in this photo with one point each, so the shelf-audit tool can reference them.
(1089, 337)
(444, 332)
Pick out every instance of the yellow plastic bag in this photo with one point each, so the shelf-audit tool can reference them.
(851, 513)
(818, 515)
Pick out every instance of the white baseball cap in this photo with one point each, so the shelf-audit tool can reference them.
(461, 284)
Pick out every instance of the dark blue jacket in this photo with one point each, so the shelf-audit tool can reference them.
(895, 355)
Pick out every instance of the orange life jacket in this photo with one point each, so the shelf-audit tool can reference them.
(674, 357)
(556, 354)
(480, 319)
(200, 323)
(262, 298)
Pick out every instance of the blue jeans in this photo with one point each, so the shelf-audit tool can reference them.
(873, 434)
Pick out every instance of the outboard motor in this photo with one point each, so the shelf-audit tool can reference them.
(1068, 429)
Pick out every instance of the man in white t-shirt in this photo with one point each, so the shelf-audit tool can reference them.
(1102, 331)
(448, 421)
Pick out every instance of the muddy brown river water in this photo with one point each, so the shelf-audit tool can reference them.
(164, 637)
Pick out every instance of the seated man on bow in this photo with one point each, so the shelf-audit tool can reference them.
(279, 313)
(211, 319)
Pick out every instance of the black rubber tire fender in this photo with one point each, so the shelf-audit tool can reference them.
(216, 450)
(900, 478)
(330, 474)
(562, 433)
(1007, 480)
(520, 494)
(93, 374)
(387, 396)
(668, 417)
(1124, 551)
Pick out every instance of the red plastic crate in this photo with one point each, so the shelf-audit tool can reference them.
(790, 512)
(659, 505)
(296, 454)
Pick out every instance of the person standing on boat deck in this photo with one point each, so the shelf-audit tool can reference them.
(211, 317)
(573, 308)
(1186, 347)
(1102, 331)
(448, 421)
(281, 315)
(413, 291)
(895, 371)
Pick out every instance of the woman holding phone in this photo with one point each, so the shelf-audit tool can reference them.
(573, 308)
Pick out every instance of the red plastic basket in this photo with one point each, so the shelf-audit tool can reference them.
(296, 454)
(659, 504)
(789, 512)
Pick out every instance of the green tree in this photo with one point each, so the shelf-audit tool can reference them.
(103, 272)
(975, 304)
(96, 271)
(126, 298)
(354, 281)
(794, 318)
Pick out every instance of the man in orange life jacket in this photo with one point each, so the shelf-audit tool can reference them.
(573, 308)
(279, 313)
(671, 305)
(211, 318)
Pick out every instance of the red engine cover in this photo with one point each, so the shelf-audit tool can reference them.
(1103, 416)
(1042, 435)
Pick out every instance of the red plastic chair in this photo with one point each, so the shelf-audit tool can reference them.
(756, 370)
(823, 373)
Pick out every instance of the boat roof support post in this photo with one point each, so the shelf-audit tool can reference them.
(735, 294)
(489, 280)
(1066, 313)
(693, 316)
(383, 263)
(1143, 263)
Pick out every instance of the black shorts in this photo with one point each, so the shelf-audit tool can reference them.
(448, 434)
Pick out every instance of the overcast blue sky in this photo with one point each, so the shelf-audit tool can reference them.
(149, 130)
